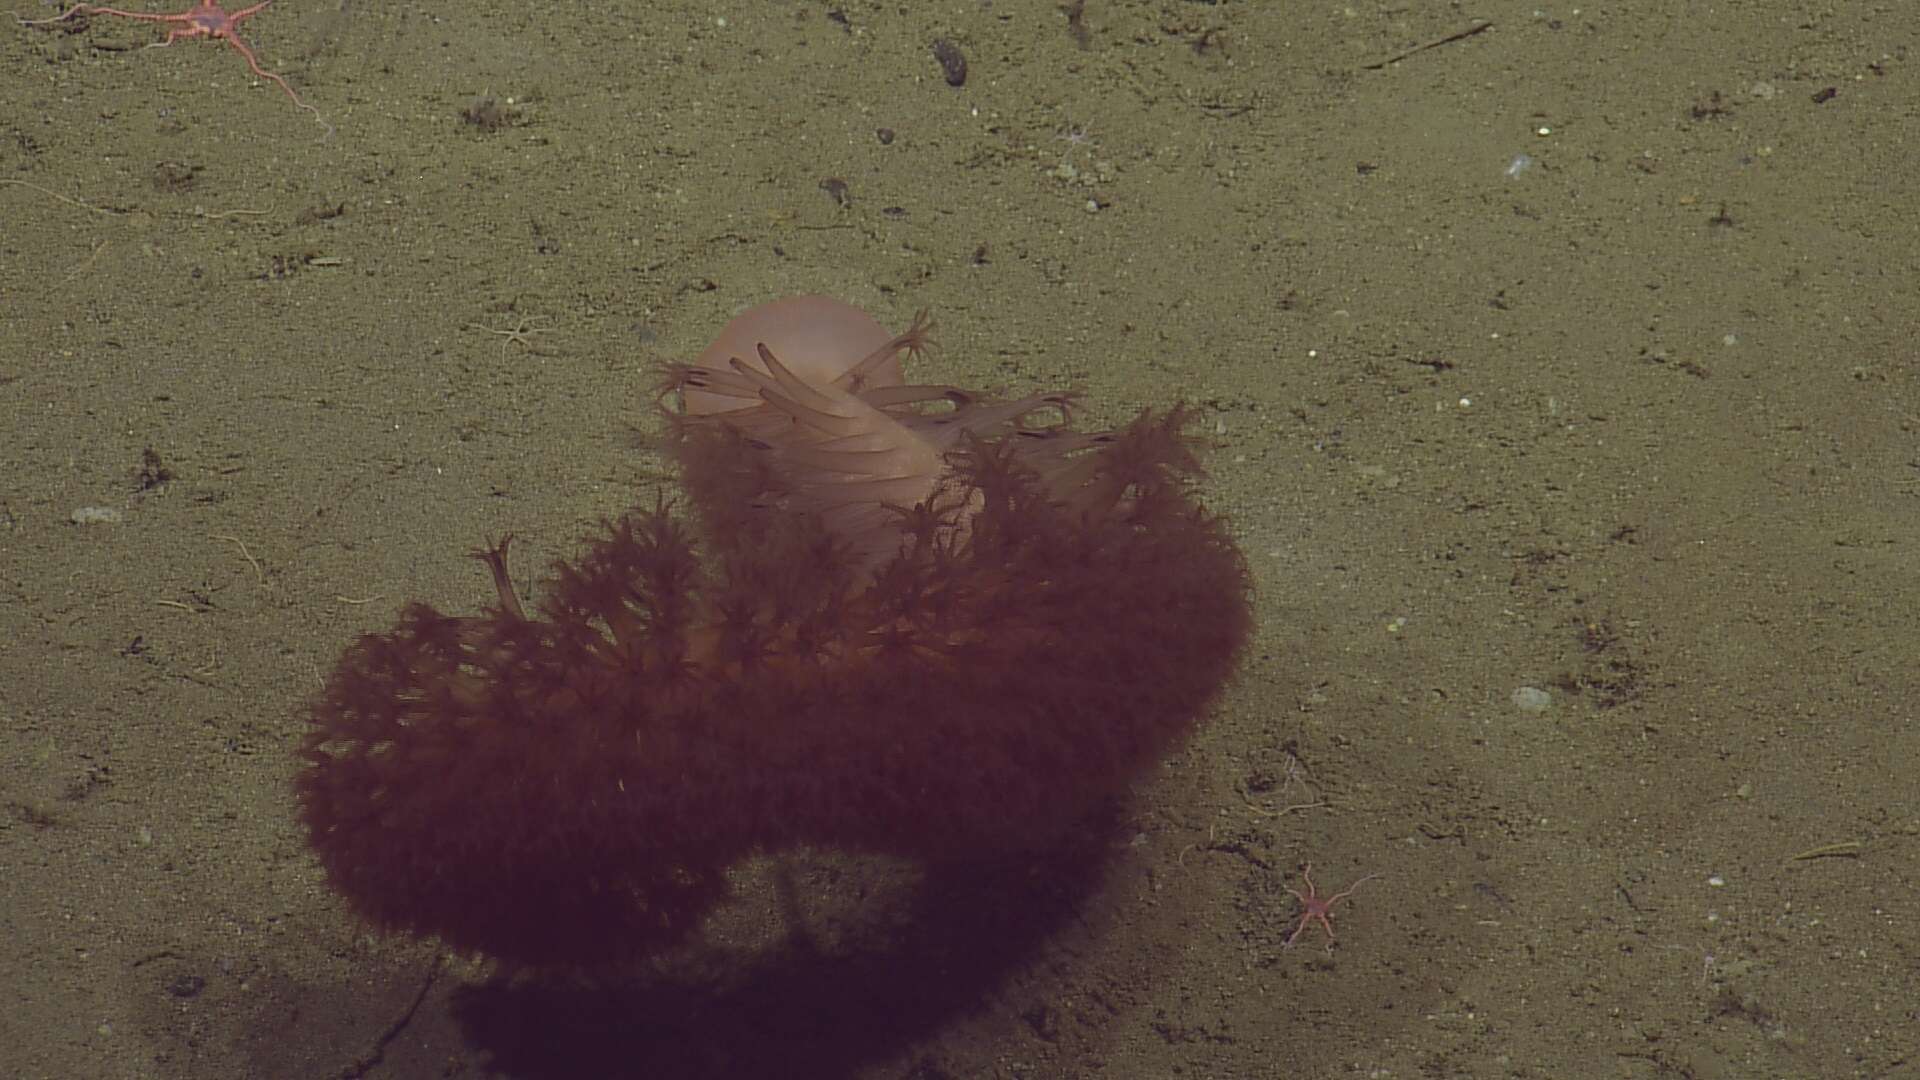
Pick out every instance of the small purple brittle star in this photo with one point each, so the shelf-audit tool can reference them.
(205, 19)
(1315, 907)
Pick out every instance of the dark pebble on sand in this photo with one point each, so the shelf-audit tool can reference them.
(952, 61)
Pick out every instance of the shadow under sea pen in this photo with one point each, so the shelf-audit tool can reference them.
(894, 618)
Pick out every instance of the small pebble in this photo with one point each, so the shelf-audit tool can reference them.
(1532, 699)
(95, 515)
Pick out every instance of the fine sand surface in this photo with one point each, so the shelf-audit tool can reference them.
(1630, 427)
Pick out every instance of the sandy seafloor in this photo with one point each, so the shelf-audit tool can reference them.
(1637, 427)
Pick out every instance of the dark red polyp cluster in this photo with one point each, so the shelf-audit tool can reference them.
(567, 782)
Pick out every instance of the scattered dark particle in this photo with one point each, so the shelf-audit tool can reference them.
(1826, 95)
(953, 62)
(186, 986)
(885, 135)
(840, 17)
(1710, 107)
(1597, 636)
(1227, 110)
(1075, 11)
(1660, 357)
(1210, 42)
(488, 114)
(174, 178)
(836, 189)
(1431, 363)
(980, 255)
(1493, 894)
(31, 814)
(152, 471)
(282, 267)
(544, 242)
(1044, 1021)
(1365, 168)
(1722, 219)
(313, 215)
(894, 211)
(1260, 781)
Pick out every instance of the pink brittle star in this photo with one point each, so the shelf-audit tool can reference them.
(204, 19)
(1314, 907)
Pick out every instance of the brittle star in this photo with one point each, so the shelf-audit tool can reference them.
(521, 333)
(1316, 908)
(204, 19)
